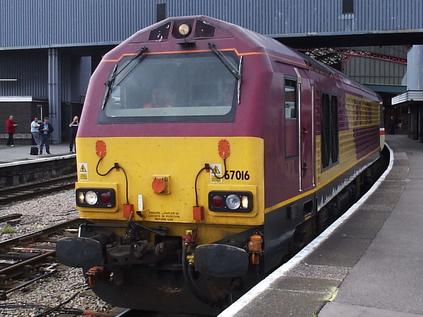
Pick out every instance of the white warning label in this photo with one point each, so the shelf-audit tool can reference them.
(216, 173)
(83, 171)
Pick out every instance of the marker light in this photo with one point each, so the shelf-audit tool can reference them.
(184, 29)
(81, 197)
(244, 202)
(91, 198)
(232, 201)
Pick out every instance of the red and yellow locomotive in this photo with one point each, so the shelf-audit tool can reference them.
(204, 149)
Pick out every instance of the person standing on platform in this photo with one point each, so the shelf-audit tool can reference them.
(73, 130)
(391, 125)
(45, 131)
(35, 126)
(10, 129)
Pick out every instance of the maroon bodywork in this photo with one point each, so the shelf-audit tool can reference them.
(266, 63)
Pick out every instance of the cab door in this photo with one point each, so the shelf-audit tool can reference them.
(305, 90)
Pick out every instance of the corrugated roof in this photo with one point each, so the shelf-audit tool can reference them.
(57, 23)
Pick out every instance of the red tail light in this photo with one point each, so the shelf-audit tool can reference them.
(217, 201)
(106, 198)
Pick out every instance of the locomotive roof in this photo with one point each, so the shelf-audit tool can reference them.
(246, 40)
(317, 65)
(249, 41)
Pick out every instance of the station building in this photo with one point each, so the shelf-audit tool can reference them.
(411, 101)
(49, 48)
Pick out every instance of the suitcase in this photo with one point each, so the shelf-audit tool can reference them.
(34, 150)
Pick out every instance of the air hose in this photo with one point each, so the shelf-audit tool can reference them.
(188, 273)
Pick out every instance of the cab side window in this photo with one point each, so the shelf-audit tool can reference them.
(290, 99)
(290, 110)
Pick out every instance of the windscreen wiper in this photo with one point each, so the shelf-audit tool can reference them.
(225, 61)
(110, 83)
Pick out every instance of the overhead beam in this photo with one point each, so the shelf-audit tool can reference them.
(351, 40)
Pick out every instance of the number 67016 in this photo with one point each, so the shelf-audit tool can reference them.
(238, 175)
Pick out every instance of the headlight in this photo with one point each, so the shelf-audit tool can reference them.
(184, 29)
(233, 202)
(91, 198)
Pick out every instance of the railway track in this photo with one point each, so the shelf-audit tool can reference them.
(31, 257)
(29, 190)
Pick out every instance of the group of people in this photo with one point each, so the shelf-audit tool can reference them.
(41, 132)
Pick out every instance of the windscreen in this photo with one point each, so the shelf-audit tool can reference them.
(172, 86)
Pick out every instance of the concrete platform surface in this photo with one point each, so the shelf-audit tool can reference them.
(345, 310)
(389, 276)
(371, 265)
(21, 152)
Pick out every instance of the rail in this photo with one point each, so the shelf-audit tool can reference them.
(33, 189)
(28, 258)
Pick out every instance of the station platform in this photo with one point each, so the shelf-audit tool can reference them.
(21, 153)
(368, 263)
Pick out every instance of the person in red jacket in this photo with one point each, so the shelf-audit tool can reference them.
(10, 129)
